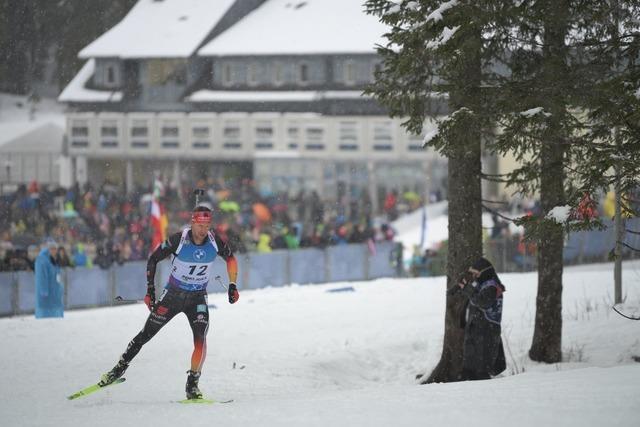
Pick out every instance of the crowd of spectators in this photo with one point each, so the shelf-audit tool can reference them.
(100, 226)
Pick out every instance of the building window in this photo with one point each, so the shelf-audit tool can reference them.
(109, 128)
(202, 132)
(139, 130)
(264, 145)
(164, 71)
(293, 136)
(139, 133)
(278, 74)
(315, 134)
(348, 147)
(303, 73)
(109, 144)
(170, 129)
(79, 131)
(201, 145)
(80, 143)
(314, 147)
(111, 75)
(375, 69)
(382, 136)
(227, 75)
(170, 132)
(231, 130)
(232, 145)
(264, 130)
(415, 142)
(252, 74)
(349, 72)
(348, 132)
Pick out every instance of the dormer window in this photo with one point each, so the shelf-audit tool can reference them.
(278, 74)
(303, 73)
(349, 72)
(111, 75)
(376, 69)
(252, 75)
(227, 75)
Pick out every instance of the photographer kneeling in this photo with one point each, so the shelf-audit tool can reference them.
(483, 350)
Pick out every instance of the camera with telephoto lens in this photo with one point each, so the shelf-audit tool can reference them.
(466, 277)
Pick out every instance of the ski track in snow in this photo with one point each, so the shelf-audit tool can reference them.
(305, 357)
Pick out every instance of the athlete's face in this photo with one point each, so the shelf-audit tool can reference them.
(199, 231)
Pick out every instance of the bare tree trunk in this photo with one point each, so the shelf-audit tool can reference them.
(547, 337)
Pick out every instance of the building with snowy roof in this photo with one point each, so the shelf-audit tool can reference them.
(270, 87)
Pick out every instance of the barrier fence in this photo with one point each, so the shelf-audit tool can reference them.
(96, 287)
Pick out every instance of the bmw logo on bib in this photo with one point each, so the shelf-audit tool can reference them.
(199, 254)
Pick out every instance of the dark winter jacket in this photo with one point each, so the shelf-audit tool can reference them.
(483, 349)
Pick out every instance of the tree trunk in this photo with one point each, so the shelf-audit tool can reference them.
(547, 337)
(465, 209)
(465, 245)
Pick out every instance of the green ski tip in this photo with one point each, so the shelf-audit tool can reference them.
(92, 389)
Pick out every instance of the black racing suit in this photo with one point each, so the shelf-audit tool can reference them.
(175, 300)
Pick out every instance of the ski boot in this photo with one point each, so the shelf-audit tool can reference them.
(114, 374)
(193, 392)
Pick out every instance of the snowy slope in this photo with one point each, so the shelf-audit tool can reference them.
(306, 357)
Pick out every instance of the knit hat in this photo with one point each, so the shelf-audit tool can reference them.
(481, 264)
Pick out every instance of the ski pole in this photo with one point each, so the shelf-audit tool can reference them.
(222, 284)
(198, 192)
(125, 300)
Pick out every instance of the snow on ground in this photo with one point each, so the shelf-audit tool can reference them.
(307, 357)
(409, 227)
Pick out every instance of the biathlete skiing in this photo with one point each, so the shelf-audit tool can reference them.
(194, 251)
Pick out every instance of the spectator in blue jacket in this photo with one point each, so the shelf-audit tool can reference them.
(49, 291)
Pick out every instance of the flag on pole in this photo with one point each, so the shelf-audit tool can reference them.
(159, 221)
(423, 228)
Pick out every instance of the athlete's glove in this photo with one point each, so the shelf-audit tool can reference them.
(150, 297)
(233, 293)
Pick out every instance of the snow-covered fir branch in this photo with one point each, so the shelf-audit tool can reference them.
(446, 35)
(533, 111)
(436, 15)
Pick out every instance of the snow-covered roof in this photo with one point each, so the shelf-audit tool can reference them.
(77, 92)
(270, 96)
(43, 138)
(18, 117)
(159, 28)
(299, 27)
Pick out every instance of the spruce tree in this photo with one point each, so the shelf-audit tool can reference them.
(553, 106)
(438, 54)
